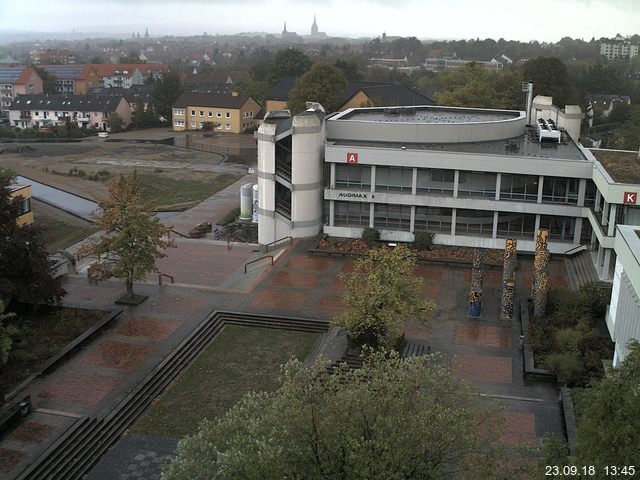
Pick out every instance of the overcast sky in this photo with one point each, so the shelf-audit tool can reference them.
(544, 20)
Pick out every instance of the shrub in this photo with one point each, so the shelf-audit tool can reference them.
(370, 236)
(231, 216)
(423, 241)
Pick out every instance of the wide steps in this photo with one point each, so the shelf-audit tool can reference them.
(80, 448)
(584, 271)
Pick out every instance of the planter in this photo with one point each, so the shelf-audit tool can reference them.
(131, 299)
(530, 370)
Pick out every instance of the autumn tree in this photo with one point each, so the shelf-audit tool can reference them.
(392, 419)
(115, 123)
(133, 238)
(323, 83)
(25, 271)
(381, 294)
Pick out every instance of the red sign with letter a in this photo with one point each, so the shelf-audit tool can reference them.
(352, 158)
(630, 198)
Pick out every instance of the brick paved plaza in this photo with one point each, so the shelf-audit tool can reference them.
(210, 276)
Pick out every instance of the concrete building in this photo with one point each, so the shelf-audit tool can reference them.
(432, 64)
(618, 47)
(16, 81)
(226, 113)
(471, 176)
(86, 111)
(623, 314)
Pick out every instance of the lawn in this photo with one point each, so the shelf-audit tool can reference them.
(41, 335)
(175, 193)
(239, 360)
(59, 228)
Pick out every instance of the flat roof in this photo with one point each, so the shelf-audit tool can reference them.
(622, 165)
(526, 146)
(427, 114)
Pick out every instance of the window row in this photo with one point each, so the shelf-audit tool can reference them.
(439, 220)
(522, 188)
(210, 114)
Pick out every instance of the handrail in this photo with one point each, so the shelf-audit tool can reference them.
(257, 260)
(575, 249)
(177, 233)
(170, 277)
(266, 247)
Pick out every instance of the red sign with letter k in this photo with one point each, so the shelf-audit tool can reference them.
(630, 198)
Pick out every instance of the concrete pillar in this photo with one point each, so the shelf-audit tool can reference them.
(540, 185)
(332, 212)
(412, 223)
(373, 178)
(600, 256)
(605, 213)
(494, 232)
(613, 209)
(577, 231)
(498, 182)
(582, 188)
(456, 180)
(606, 264)
(332, 182)
(596, 207)
(453, 221)
(371, 215)
(536, 227)
(414, 185)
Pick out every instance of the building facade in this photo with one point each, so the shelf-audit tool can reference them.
(73, 79)
(90, 111)
(23, 192)
(16, 81)
(223, 113)
(623, 314)
(618, 47)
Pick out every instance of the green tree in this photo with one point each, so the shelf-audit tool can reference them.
(628, 136)
(133, 238)
(609, 427)
(381, 294)
(115, 123)
(550, 77)
(48, 80)
(392, 419)
(257, 89)
(164, 93)
(323, 83)
(349, 69)
(291, 62)
(475, 86)
(25, 271)
(6, 332)
(139, 117)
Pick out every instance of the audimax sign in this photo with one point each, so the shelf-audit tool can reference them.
(361, 195)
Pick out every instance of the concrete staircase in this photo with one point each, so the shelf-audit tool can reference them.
(582, 272)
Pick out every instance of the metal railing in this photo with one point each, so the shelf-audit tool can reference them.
(170, 277)
(573, 250)
(257, 260)
(177, 233)
(266, 247)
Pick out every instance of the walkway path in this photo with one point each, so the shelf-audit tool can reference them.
(211, 276)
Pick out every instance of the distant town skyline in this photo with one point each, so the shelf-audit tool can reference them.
(544, 20)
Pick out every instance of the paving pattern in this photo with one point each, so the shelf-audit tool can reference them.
(483, 351)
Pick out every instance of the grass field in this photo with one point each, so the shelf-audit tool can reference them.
(59, 228)
(171, 193)
(239, 360)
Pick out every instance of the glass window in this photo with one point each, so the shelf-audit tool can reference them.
(590, 194)
(519, 187)
(435, 181)
(210, 114)
(477, 184)
(394, 179)
(392, 217)
(474, 222)
(227, 115)
(516, 225)
(351, 213)
(202, 113)
(433, 219)
(193, 112)
(560, 190)
(561, 229)
(353, 176)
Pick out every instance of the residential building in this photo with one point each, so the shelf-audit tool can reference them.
(73, 79)
(52, 55)
(356, 94)
(131, 95)
(121, 75)
(224, 113)
(619, 47)
(603, 104)
(87, 111)
(25, 215)
(17, 81)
